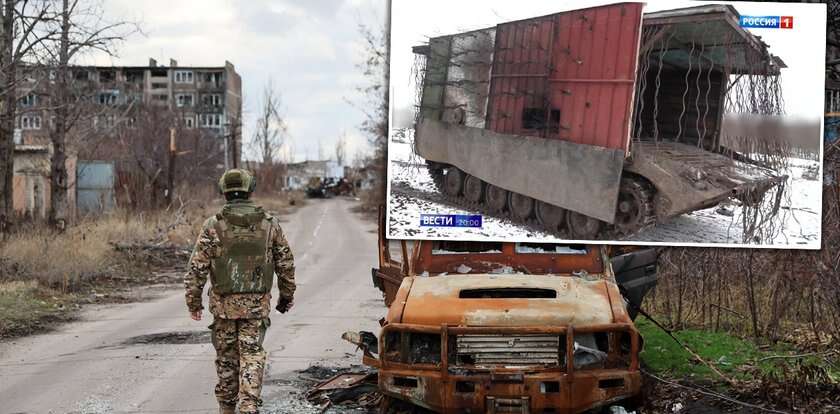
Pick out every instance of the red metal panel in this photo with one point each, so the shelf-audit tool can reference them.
(581, 63)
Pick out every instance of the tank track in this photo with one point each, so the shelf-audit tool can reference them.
(608, 232)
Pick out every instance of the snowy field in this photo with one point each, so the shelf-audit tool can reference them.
(412, 192)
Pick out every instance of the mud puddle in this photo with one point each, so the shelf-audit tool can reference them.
(170, 338)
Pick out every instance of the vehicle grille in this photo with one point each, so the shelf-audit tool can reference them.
(510, 350)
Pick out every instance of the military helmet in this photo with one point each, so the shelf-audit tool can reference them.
(237, 180)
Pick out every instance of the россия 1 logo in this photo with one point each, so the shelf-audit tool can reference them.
(450, 220)
(767, 22)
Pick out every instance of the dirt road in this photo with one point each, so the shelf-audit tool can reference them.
(151, 358)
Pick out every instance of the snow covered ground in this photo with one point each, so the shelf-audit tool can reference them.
(412, 192)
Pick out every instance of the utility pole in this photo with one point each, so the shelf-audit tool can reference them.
(231, 143)
(170, 179)
(227, 152)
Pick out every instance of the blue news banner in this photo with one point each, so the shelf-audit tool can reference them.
(767, 22)
(450, 220)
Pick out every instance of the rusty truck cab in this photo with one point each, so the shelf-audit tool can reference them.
(471, 329)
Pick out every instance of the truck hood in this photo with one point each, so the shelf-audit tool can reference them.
(473, 300)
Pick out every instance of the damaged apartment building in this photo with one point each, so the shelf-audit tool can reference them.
(206, 98)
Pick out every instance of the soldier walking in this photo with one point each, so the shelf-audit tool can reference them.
(240, 249)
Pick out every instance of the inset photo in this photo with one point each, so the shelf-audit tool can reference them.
(678, 122)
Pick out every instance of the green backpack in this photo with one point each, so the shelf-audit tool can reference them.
(243, 264)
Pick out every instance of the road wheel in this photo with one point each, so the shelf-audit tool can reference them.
(521, 206)
(453, 182)
(635, 206)
(473, 189)
(582, 227)
(496, 198)
(550, 216)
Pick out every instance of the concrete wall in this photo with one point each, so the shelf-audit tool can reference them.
(31, 182)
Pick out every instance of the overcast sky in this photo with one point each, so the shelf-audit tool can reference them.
(308, 49)
(802, 48)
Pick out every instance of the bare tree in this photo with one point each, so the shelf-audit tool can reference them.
(341, 150)
(271, 131)
(375, 108)
(22, 34)
(269, 139)
(80, 29)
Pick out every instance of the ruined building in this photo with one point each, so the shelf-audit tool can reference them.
(206, 100)
(207, 97)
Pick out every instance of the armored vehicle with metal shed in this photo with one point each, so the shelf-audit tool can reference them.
(597, 122)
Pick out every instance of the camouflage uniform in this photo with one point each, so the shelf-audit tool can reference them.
(240, 320)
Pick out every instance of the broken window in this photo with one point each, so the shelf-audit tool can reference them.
(189, 122)
(30, 122)
(183, 76)
(134, 76)
(159, 73)
(210, 120)
(213, 78)
(108, 97)
(29, 100)
(107, 76)
(550, 248)
(442, 247)
(211, 99)
(184, 99)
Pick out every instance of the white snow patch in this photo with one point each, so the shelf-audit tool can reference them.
(798, 221)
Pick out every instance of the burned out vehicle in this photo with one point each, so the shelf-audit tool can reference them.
(596, 122)
(504, 327)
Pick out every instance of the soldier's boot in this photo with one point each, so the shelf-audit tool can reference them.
(227, 409)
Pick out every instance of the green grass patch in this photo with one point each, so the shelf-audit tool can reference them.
(735, 357)
(25, 308)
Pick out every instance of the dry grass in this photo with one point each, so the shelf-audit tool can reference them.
(43, 273)
(64, 260)
(86, 250)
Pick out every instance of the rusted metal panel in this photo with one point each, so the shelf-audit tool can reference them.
(435, 301)
(342, 381)
(576, 68)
